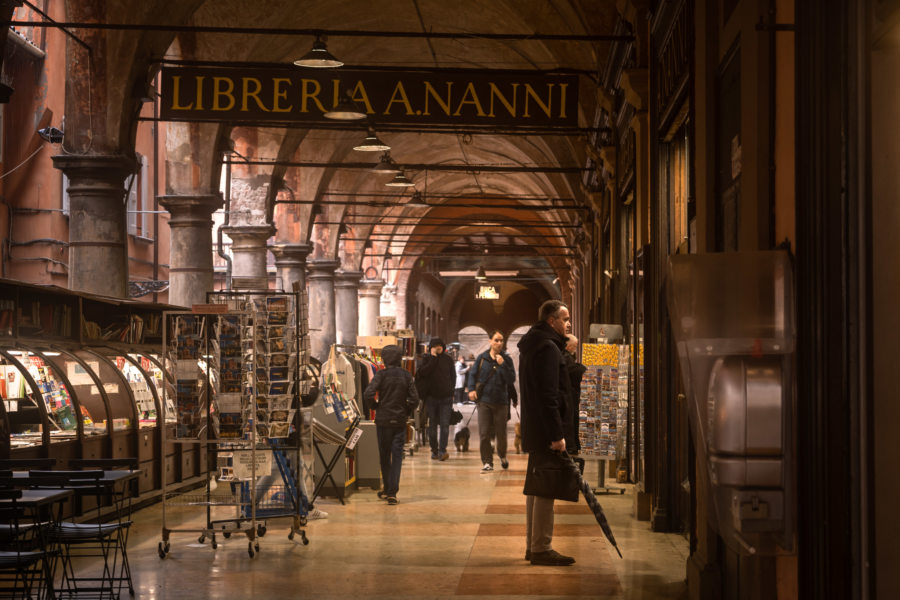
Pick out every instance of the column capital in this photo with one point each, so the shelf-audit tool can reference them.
(371, 287)
(290, 255)
(100, 166)
(247, 233)
(348, 279)
(189, 211)
(322, 268)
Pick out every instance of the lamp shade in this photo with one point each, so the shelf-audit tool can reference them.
(372, 143)
(417, 200)
(480, 275)
(386, 165)
(318, 58)
(346, 110)
(400, 180)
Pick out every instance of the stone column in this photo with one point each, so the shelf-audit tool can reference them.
(346, 299)
(248, 251)
(369, 305)
(190, 254)
(290, 261)
(98, 242)
(321, 304)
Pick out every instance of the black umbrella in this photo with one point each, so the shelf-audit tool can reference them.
(592, 502)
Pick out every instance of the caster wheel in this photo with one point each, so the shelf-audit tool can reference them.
(291, 535)
(214, 545)
(260, 530)
(250, 550)
(166, 547)
(304, 520)
(226, 534)
(162, 550)
(256, 546)
(303, 538)
(201, 539)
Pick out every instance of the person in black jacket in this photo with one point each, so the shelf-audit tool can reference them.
(545, 397)
(436, 377)
(397, 398)
(493, 372)
(576, 371)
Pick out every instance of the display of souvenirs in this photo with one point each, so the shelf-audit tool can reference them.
(604, 402)
(185, 351)
(56, 396)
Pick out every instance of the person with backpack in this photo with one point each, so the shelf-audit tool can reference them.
(435, 378)
(392, 392)
(489, 379)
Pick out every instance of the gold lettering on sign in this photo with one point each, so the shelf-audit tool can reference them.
(218, 92)
(470, 91)
(176, 92)
(279, 94)
(495, 92)
(337, 91)
(359, 95)
(199, 79)
(530, 93)
(404, 100)
(430, 91)
(562, 100)
(247, 94)
(305, 94)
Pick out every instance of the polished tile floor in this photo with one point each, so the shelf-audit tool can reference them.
(456, 533)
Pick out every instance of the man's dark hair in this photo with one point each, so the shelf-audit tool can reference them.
(491, 333)
(549, 308)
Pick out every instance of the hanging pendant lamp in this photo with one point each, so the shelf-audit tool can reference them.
(400, 180)
(417, 200)
(372, 143)
(346, 110)
(319, 57)
(386, 165)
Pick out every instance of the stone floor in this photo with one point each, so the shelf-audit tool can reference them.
(456, 533)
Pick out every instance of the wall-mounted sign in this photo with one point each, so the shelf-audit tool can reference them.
(487, 292)
(454, 97)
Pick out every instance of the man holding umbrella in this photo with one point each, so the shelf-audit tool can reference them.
(546, 417)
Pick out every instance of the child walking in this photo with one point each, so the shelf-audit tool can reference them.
(397, 398)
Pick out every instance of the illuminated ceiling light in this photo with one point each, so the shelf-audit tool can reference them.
(346, 110)
(417, 200)
(386, 165)
(372, 143)
(319, 57)
(480, 275)
(400, 180)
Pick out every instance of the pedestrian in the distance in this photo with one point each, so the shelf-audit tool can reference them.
(461, 369)
(396, 400)
(435, 378)
(489, 379)
(545, 396)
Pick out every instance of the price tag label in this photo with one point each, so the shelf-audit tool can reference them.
(354, 438)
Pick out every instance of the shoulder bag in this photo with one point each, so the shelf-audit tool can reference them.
(551, 475)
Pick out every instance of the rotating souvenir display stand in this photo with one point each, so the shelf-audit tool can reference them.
(237, 393)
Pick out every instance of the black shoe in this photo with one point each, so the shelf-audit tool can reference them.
(528, 555)
(382, 495)
(393, 500)
(551, 558)
(504, 463)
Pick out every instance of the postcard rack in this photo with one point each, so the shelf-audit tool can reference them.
(248, 350)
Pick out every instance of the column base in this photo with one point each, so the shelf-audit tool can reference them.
(703, 579)
(641, 510)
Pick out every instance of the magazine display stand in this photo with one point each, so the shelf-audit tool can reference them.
(236, 370)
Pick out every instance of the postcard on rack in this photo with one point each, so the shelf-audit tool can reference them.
(277, 303)
(231, 387)
(262, 403)
(262, 416)
(279, 430)
(277, 318)
(276, 344)
(262, 430)
(229, 402)
(280, 388)
(278, 373)
(278, 360)
(281, 416)
(262, 374)
(278, 331)
(280, 402)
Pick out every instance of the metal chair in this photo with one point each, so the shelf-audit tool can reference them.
(24, 561)
(98, 538)
(26, 464)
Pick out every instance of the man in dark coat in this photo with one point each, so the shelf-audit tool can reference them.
(397, 398)
(436, 377)
(545, 398)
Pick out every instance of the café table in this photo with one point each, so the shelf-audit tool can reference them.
(43, 506)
